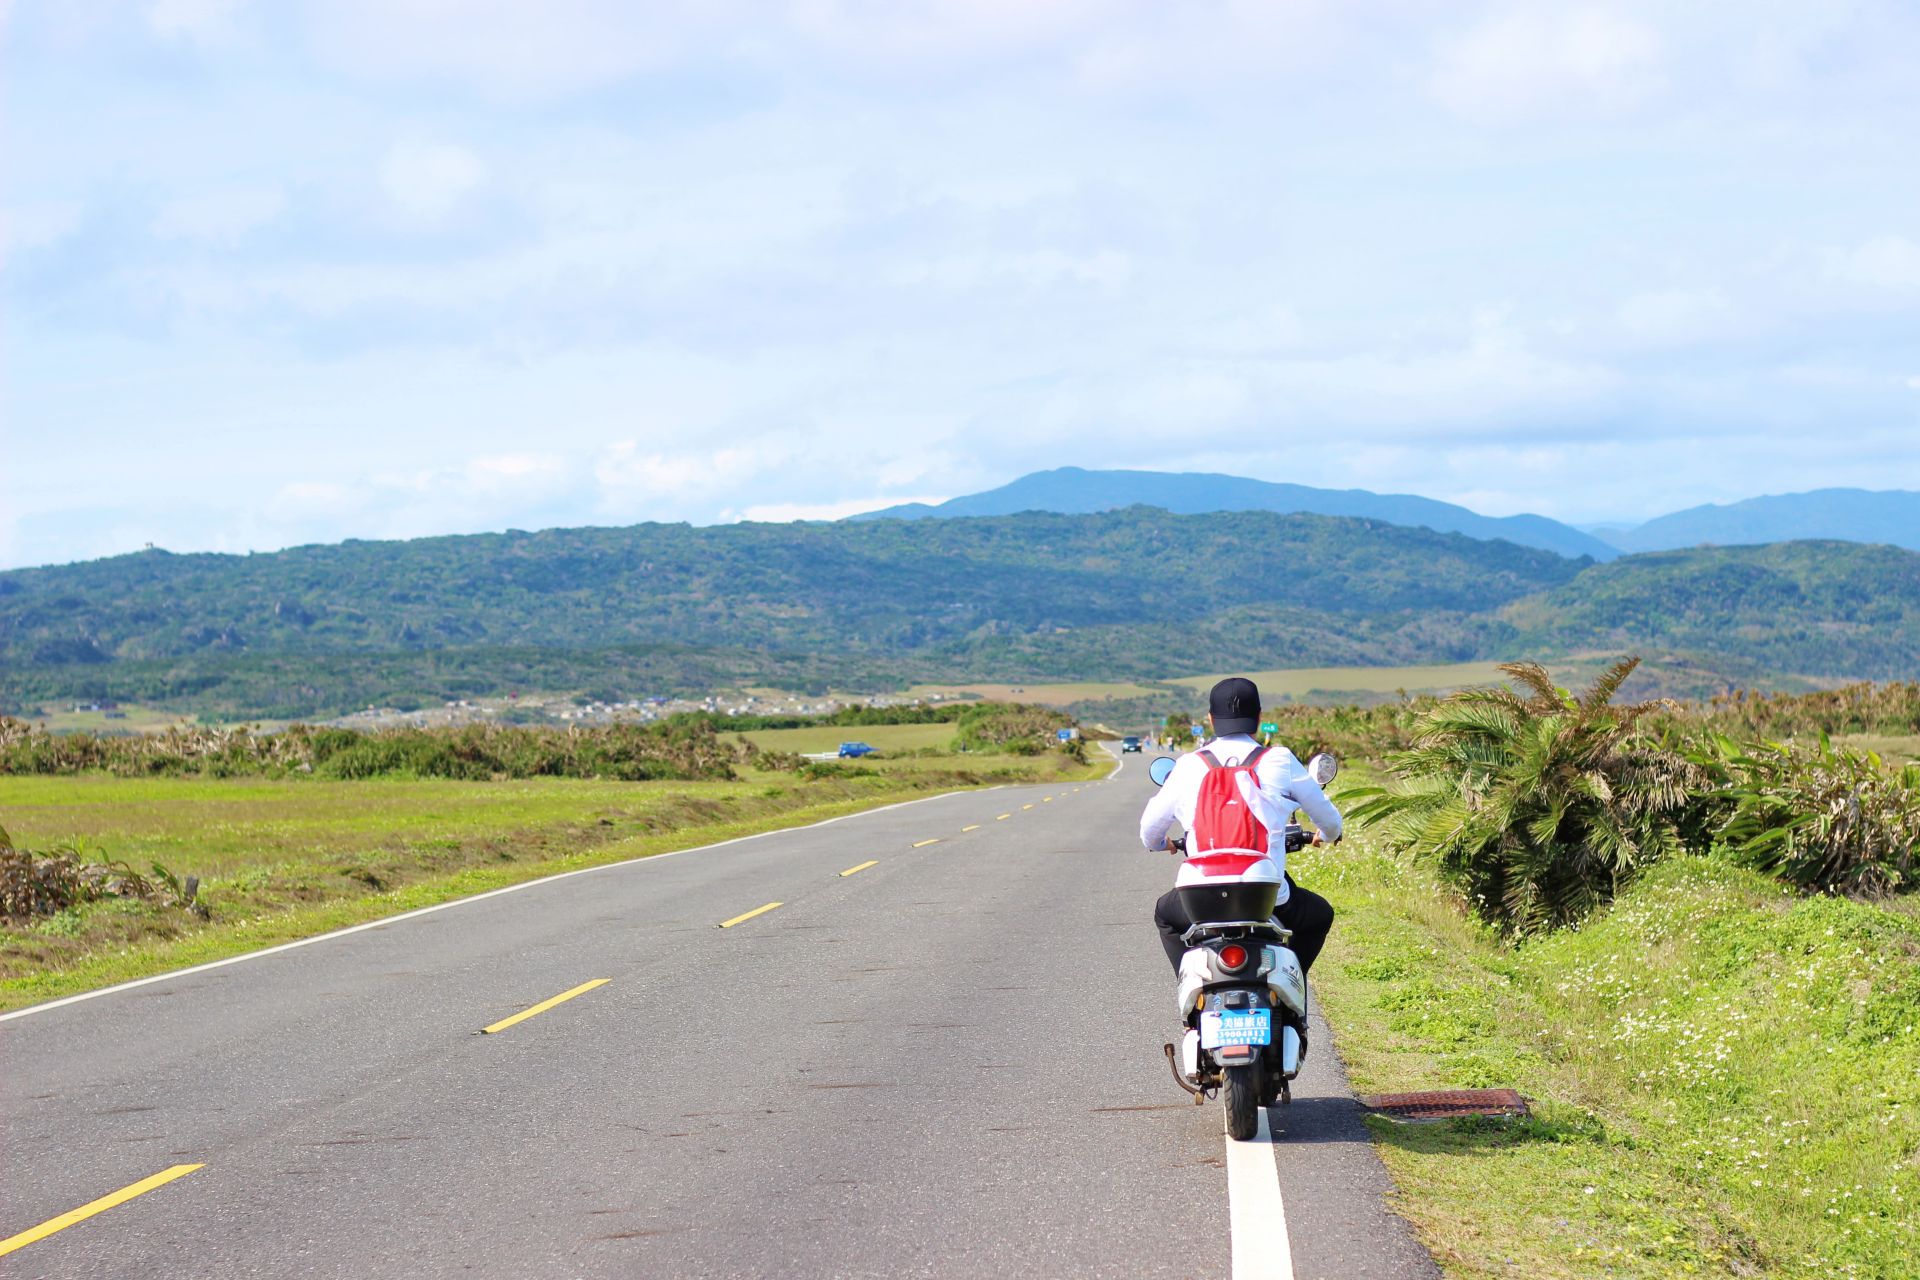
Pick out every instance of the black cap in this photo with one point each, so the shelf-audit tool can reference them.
(1235, 704)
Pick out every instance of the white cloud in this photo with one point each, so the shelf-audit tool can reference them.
(221, 215)
(888, 30)
(786, 512)
(627, 470)
(312, 496)
(428, 180)
(1674, 315)
(26, 227)
(1549, 59)
(512, 49)
(1103, 269)
(796, 254)
(1883, 262)
(203, 20)
(519, 473)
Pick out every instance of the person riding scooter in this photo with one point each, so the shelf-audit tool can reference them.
(1283, 786)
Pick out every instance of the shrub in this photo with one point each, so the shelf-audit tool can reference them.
(46, 884)
(1821, 817)
(1892, 708)
(680, 748)
(1013, 727)
(1537, 805)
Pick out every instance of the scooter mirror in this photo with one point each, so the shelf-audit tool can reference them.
(1159, 769)
(1323, 767)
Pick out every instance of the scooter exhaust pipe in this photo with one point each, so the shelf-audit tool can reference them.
(1199, 1098)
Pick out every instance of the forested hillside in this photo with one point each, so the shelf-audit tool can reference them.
(1139, 593)
(1811, 608)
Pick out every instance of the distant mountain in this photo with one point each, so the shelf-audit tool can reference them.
(1073, 490)
(1850, 515)
(1138, 592)
(1134, 594)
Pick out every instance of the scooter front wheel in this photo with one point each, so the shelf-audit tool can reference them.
(1242, 1096)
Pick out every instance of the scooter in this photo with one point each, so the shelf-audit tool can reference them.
(1238, 976)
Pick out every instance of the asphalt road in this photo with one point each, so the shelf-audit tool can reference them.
(944, 1064)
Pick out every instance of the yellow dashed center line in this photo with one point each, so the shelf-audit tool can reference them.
(1026, 806)
(974, 827)
(871, 862)
(921, 844)
(1045, 799)
(544, 1005)
(101, 1205)
(1003, 817)
(745, 916)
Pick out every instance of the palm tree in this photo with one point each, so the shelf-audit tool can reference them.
(1536, 804)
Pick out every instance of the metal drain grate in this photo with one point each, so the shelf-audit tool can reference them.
(1446, 1104)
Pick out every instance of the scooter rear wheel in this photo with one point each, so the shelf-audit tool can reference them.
(1242, 1096)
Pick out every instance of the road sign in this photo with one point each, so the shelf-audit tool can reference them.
(1065, 735)
(1269, 727)
(1198, 732)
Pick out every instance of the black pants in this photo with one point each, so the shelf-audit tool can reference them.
(1309, 915)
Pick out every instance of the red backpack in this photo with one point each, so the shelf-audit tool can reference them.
(1221, 818)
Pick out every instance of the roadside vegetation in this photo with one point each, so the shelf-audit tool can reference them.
(682, 747)
(1691, 951)
(128, 856)
(1539, 806)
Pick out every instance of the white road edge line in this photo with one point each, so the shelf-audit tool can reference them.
(1256, 1215)
(417, 912)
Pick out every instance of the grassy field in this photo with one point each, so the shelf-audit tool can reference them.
(285, 859)
(1050, 695)
(882, 737)
(1725, 1078)
(1298, 682)
(1895, 750)
(133, 719)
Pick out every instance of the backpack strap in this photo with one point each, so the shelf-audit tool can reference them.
(1213, 761)
(1253, 757)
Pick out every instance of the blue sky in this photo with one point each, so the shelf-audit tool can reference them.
(281, 273)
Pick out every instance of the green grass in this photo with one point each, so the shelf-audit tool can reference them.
(1725, 1078)
(1893, 749)
(133, 719)
(1050, 694)
(1298, 682)
(883, 737)
(286, 859)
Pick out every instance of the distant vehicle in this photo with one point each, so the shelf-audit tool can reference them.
(1130, 743)
(854, 749)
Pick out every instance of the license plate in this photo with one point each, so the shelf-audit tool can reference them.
(1222, 1027)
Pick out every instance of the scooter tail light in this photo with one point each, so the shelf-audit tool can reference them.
(1233, 956)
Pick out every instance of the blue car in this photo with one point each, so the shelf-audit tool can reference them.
(852, 749)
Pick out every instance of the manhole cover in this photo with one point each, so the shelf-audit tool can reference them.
(1445, 1104)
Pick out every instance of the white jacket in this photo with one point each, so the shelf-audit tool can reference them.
(1285, 785)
